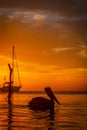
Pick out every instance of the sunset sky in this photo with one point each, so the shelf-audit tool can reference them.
(50, 39)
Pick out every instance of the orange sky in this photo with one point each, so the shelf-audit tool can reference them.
(49, 50)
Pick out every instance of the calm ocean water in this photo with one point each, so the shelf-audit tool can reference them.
(71, 115)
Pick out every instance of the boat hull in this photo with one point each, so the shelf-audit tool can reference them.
(6, 89)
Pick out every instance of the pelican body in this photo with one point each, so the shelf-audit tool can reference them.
(41, 103)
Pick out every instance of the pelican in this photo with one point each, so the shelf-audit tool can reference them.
(41, 103)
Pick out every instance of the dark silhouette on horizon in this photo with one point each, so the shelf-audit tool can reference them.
(41, 103)
(10, 98)
(6, 85)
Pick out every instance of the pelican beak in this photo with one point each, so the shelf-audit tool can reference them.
(51, 94)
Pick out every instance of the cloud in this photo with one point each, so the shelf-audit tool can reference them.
(82, 44)
(74, 71)
(36, 16)
(28, 16)
(4, 58)
(40, 17)
(44, 16)
(66, 15)
(31, 67)
(68, 7)
(31, 15)
(62, 49)
(83, 53)
(82, 49)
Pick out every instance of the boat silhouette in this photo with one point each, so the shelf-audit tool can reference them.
(5, 86)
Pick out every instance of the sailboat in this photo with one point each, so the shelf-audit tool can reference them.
(5, 86)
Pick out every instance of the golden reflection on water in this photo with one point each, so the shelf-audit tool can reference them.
(72, 114)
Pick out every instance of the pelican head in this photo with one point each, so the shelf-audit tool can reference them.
(51, 95)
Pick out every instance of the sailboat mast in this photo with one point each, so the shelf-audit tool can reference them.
(13, 64)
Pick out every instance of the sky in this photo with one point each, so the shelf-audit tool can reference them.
(50, 43)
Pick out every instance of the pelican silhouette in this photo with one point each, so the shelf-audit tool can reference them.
(41, 103)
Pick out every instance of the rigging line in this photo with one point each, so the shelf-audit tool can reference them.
(17, 70)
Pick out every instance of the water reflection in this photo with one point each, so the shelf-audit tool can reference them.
(9, 117)
(71, 115)
(51, 121)
(44, 118)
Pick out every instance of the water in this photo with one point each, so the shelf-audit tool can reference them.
(71, 115)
